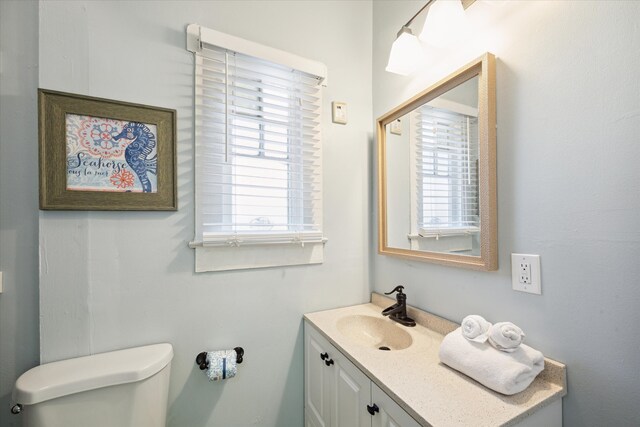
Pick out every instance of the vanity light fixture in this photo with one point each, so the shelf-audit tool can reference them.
(406, 53)
(442, 24)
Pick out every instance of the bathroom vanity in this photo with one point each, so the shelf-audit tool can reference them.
(362, 369)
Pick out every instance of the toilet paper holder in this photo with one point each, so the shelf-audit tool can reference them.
(201, 358)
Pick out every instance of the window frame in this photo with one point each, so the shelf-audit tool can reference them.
(245, 249)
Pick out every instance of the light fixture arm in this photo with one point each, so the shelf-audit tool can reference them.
(465, 5)
(418, 13)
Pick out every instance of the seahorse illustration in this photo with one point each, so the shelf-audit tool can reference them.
(136, 154)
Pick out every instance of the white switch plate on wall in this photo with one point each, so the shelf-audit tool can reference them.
(0, 282)
(396, 127)
(525, 273)
(339, 112)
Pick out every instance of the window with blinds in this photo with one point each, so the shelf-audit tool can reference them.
(258, 153)
(446, 172)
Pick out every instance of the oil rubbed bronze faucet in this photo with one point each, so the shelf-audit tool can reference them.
(398, 311)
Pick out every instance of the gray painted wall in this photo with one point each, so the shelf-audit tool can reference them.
(568, 103)
(568, 188)
(18, 196)
(115, 279)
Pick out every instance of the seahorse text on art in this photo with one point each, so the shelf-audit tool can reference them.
(97, 163)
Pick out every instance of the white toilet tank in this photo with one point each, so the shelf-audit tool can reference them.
(124, 388)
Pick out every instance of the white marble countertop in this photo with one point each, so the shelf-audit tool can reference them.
(431, 392)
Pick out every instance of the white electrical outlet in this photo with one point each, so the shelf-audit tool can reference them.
(525, 273)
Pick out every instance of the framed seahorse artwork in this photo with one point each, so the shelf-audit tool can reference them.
(101, 154)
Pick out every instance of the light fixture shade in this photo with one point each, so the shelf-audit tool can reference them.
(406, 53)
(444, 24)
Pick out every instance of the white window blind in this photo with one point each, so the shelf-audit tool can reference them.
(446, 172)
(258, 151)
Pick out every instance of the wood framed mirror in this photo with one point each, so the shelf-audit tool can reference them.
(437, 172)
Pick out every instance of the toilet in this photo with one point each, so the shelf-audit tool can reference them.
(124, 388)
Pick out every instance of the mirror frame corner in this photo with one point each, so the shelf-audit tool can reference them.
(484, 67)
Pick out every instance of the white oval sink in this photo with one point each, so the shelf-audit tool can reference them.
(374, 332)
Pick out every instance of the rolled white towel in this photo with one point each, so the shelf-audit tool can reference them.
(506, 373)
(475, 328)
(505, 336)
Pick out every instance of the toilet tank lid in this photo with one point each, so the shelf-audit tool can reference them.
(70, 376)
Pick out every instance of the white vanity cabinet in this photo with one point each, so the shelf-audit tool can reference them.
(391, 414)
(411, 387)
(338, 394)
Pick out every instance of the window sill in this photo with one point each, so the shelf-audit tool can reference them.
(225, 258)
(437, 234)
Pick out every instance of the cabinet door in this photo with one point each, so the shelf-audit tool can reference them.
(352, 394)
(317, 380)
(391, 414)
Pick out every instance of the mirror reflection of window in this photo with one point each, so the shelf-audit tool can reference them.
(446, 172)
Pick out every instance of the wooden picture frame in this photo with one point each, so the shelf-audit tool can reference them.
(101, 154)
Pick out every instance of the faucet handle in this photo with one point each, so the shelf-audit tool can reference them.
(397, 289)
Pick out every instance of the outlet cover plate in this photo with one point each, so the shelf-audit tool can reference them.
(535, 280)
